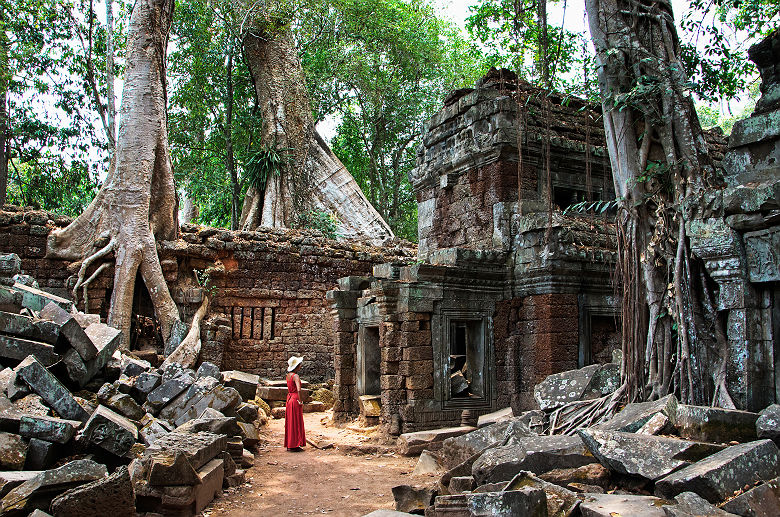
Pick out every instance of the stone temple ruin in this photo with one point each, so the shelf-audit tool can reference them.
(506, 294)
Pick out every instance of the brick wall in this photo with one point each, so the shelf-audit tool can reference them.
(268, 299)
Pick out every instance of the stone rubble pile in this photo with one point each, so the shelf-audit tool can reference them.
(87, 429)
(658, 458)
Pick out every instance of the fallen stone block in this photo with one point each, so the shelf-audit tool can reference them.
(12, 479)
(249, 434)
(413, 498)
(75, 368)
(10, 265)
(248, 412)
(110, 496)
(279, 393)
(106, 340)
(144, 384)
(245, 383)
(768, 423)
(32, 404)
(6, 375)
(658, 424)
(219, 397)
(125, 405)
(587, 383)
(85, 320)
(197, 448)
(427, 464)
(560, 501)
(70, 330)
(711, 424)
(15, 348)
(171, 470)
(461, 484)
(651, 457)
(208, 369)
(51, 390)
(135, 367)
(13, 451)
(370, 405)
(760, 501)
(48, 428)
(37, 491)
(279, 413)
(169, 390)
(718, 476)
(494, 417)
(526, 501)
(16, 387)
(613, 505)
(692, 505)
(536, 454)
(410, 444)
(213, 424)
(29, 328)
(152, 429)
(179, 406)
(197, 497)
(313, 407)
(35, 299)
(41, 454)
(635, 415)
(110, 431)
(458, 448)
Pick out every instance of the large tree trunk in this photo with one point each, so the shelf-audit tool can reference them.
(659, 161)
(4, 117)
(314, 178)
(137, 203)
(110, 100)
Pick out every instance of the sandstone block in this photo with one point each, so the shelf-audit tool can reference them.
(768, 423)
(245, 383)
(110, 431)
(635, 415)
(13, 451)
(71, 330)
(110, 496)
(410, 444)
(48, 428)
(711, 424)
(50, 389)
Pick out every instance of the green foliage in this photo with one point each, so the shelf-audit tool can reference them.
(49, 50)
(382, 67)
(206, 36)
(325, 222)
(265, 163)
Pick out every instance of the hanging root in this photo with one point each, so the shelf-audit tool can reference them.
(585, 413)
(188, 351)
(105, 250)
(88, 281)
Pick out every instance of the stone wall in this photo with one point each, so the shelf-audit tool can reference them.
(268, 287)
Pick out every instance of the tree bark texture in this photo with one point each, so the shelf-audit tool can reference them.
(4, 115)
(314, 179)
(137, 203)
(659, 163)
(110, 100)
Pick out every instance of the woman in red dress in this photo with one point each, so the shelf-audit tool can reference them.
(294, 434)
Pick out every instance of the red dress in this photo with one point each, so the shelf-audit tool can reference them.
(294, 434)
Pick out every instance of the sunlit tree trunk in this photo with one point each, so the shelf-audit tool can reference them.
(314, 178)
(137, 204)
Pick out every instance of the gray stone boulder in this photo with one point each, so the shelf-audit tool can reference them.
(636, 415)
(560, 501)
(494, 417)
(13, 451)
(536, 454)
(410, 444)
(243, 382)
(613, 505)
(651, 457)
(48, 428)
(760, 501)
(50, 389)
(768, 423)
(527, 501)
(413, 498)
(111, 496)
(175, 458)
(110, 431)
(692, 505)
(587, 383)
(40, 489)
(718, 476)
(457, 449)
(711, 424)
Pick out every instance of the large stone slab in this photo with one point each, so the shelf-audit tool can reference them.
(243, 382)
(718, 476)
(12, 479)
(760, 501)
(49, 483)
(561, 502)
(110, 396)
(612, 505)
(413, 498)
(106, 340)
(494, 417)
(50, 389)
(29, 328)
(16, 348)
(692, 505)
(270, 393)
(184, 499)
(635, 415)
(537, 454)
(221, 398)
(197, 448)
(110, 431)
(410, 444)
(458, 448)
(184, 401)
(169, 390)
(35, 299)
(651, 457)
(71, 330)
(111, 496)
(41, 454)
(711, 424)
(768, 423)
(527, 501)
(587, 383)
(51, 429)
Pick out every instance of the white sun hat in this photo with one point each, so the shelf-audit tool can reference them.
(293, 362)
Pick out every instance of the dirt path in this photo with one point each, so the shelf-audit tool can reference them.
(334, 481)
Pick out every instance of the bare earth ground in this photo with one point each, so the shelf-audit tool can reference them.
(337, 481)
